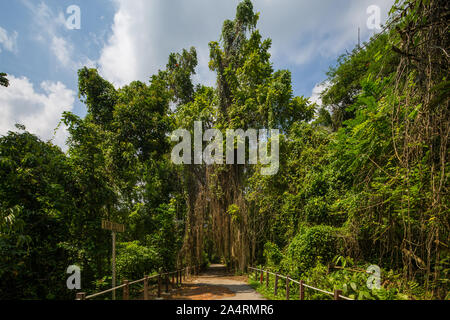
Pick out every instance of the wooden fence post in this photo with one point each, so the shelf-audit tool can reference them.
(287, 287)
(159, 285)
(302, 291)
(267, 278)
(167, 283)
(256, 274)
(173, 280)
(261, 279)
(126, 290)
(80, 296)
(276, 283)
(146, 288)
(337, 293)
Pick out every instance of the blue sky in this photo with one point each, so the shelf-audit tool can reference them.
(131, 39)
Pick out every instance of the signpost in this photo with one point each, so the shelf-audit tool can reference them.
(114, 227)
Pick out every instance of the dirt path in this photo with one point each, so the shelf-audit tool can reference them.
(215, 284)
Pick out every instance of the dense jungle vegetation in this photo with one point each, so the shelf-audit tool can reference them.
(363, 179)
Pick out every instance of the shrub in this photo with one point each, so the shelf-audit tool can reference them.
(134, 260)
(272, 254)
(310, 246)
(316, 210)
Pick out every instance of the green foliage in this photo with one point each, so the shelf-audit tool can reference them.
(233, 211)
(134, 260)
(272, 254)
(3, 80)
(309, 246)
(345, 79)
(35, 200)
(365, 175)
(374, 176)
(98, 94)
(165, 238)
(180, 68)
(352, 282)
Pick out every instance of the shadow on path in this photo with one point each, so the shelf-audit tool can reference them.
(215, 284)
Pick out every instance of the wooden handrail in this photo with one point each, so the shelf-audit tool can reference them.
(337, 294)
(179, 272)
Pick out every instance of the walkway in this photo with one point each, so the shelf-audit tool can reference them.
(215, 284)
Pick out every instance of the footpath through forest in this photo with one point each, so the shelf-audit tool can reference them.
(214, 284)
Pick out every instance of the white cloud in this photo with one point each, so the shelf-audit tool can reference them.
(317, 91)
(50, 30)
(39, 112)
(8, 41)
(144, 32)
(304, 30)
(61, 49)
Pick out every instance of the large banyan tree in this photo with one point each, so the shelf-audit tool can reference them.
(249, 94)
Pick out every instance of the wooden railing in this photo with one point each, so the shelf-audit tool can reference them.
(337, 294)
(177, 279)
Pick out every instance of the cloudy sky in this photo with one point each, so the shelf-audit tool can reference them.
(131, 39)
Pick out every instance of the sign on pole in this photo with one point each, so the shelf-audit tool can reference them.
(117, 227)
(114, 227)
